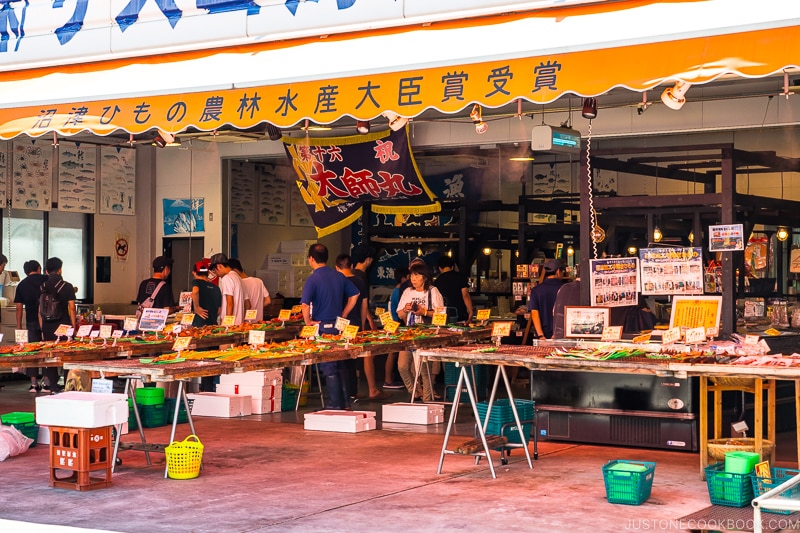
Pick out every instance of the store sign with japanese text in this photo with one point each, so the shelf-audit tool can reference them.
(671, 270)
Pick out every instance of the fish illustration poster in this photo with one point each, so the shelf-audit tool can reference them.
(32, 186)
(117, 181)
(5, 170)
(273, 195)
(77, 178)
(183, 215)
(243, 192)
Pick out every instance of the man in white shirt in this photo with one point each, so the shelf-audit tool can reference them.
(234, 299)
(254, 289)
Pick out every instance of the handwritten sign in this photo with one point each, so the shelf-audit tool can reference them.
(176, 329)
(284, 315)
(385, 317)
(379, 311)
(255, 337)
(117, 334)
(501, 329)
(751, 340)
(251, 314)
(93, 334)
(102, 386)
(21, 336)
(349, 332)
(84, 330)
(153, 319)
(712, 332)
(341, 323)
(228, 320)
(484, 314)
(297, 309)
(641, 339)
(670, 336)
(105, 331)
(309, 331)
(390, 326)
(439, 319)
(611, 333)
(695, 335)
(62, 330)
(181, 343)
(185, 301)
(130, 323)
(187, 319)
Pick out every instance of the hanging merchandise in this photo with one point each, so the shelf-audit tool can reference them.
(713, 277)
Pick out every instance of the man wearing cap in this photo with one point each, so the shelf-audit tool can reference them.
(543, 297)
(234, 299)
(158, 284)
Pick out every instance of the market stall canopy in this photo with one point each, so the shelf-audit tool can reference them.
(537, 56)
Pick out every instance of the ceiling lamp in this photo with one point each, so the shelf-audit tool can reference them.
(362, 127)
(632, 250)
(274, 132)
(396, 122)
(657, 235)
(487, 251)
(691, 237)
(589, 110)
(673, 97)
(163, 139)
(782, 234)
(481, 127)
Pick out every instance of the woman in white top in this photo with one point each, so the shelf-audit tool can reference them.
(418, 303)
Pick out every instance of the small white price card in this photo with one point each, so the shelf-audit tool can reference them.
(181, 343)
(501, 329)
(62, 330)
(712, 332)
(130, 323)
(390, 326)
(439, 319)
(672, 335)
(20, 336)
(483, 314)
(176, 329)
(611, 333)
(185, 302)
(297, 309)
(385, 317)
(751, 340)
(284, 315)
(255, 337)
(117, 334)
(153, 319)
(84, 330)
(349, 332)
(93, 334)
(251, 314)
(309, 331)
(187, 319)
(379, 311)
(229, 320)
(440, 310)
(341, 323)
(102, 386)
(695, 335)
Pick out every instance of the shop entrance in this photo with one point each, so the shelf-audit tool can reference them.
(185, 251)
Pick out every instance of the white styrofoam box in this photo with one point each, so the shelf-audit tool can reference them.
(295, 247)
(255, 377)
(81, 409)
(220, 405)
(340, 421)
(413, 413)
(260, 406)
(44, 435)
(254, 391)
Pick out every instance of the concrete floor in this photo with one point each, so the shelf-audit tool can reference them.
(265, 473)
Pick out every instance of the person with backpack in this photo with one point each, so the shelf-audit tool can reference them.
(56, 307)
(156, 292)
(26, 300)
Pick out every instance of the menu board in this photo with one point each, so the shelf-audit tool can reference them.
(614, 282)
(695, 312)
(671, 271)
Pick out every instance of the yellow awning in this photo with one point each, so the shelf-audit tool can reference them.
(537, 57)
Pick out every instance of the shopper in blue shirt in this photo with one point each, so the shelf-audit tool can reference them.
(327, 294)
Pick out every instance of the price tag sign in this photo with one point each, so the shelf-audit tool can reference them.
(20, 336)
(130, 323)
(102, 386)
(284, 315)
(251, 314)
(93, 334)
(341, 323)
(379, 311)
(641, 339)
(695, 335)
(390, 326)
(187, 319)
(440, 310)
(297, 309)
(751, 340)
(255, 337)
(712, 332)
(153, 319)
(181, 343)
(117, 334)
(385, 317)
(228, 320)
(70, 331)
(176, 329)
(84, 330)
(439, 319)
(483, 314)
(611, 333)
(185, 302)
(501, 329)
(349, 332)
(672, 335)
(309, 331)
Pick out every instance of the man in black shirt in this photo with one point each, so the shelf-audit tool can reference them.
(162, 268)
(27, 296)
(454, 287)
(65, 296)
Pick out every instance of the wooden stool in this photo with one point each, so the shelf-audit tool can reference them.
(755, 386)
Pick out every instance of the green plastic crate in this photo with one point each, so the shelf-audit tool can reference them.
(29, 429)
(501, 419)
(628, 482)
(183, 416)
(289, 397)
(778, 476)
(150, 396)
(153, 416)
(17, 418)
(728, 488)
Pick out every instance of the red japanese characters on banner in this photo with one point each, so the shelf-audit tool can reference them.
(337, 176)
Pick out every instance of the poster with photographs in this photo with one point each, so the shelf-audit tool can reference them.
(299, 213)
(243, 192)
(184, 216)
(273, 196)
(117, 181)
(726, 238)
(671, 270)
(32, 186)
(77, 178)
(5, 170)
(614, 282)
(585, 322)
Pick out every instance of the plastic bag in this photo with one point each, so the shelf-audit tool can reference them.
(12, 442)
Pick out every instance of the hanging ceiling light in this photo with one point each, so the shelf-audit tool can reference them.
(589, 110)
(782, 234)
(632, 250)
(657, 235)
(673, 97)
(570, 250)
(396, 122)
(362, 126)
(481, 127)
(487, 251)
(274, 132)
(691, 237)
(163, 139)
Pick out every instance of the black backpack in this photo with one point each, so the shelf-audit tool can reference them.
(49, 307)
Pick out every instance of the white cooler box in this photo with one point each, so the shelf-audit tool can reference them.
(254, 391)
(81, 409)
(220, 405)
(256, 378)
(340, 421)
(413, 413)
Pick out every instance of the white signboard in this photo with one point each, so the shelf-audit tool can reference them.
(677, 271)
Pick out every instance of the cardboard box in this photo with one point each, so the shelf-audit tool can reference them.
(254, 378)
(413, 413)
(81, 409)
(254, 391)
(340, 421)
(260, 406)
(220, 405)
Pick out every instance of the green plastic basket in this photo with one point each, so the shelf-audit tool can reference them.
(17, 418)
(728, 488)
(778, 476)
(628, 482)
